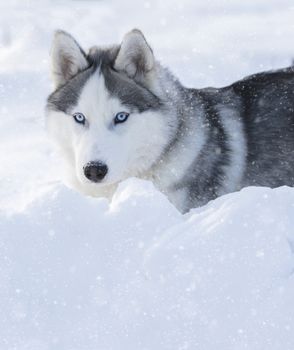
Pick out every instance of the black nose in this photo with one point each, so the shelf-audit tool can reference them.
(95, 171)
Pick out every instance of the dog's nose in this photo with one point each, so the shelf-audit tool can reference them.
(95, 171)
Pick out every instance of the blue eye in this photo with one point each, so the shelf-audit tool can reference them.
(121, 117)
(79, 118)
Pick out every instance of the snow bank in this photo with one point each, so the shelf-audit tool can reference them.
(80, 273)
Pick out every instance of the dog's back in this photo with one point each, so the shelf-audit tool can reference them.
(267, 111)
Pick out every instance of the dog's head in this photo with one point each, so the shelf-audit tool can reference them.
(108, 113)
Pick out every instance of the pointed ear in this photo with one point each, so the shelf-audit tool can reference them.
(67, 58)
(135, 57)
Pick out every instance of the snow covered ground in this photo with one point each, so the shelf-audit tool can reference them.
(79, 273)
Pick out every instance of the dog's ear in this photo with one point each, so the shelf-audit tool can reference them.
(135, 57)
(67, 58)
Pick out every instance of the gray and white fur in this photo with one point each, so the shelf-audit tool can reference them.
(194, 144)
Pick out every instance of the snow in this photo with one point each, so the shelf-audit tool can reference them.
(79, 273)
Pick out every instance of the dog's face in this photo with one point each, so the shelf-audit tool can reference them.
(106, 113)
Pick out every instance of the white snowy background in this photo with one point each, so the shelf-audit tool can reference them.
(78, 273)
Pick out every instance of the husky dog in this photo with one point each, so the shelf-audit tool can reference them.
(116, 113)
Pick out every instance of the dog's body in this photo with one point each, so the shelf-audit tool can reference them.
(133, 118)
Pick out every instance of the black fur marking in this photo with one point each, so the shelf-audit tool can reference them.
(206, 174)
(268, 115)
(67, 95)
(134, 95)
(130, 93)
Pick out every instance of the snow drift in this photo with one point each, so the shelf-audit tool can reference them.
(81, 273)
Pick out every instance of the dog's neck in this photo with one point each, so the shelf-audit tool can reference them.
(169, 171)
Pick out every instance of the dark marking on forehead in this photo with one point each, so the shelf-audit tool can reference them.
(119, 85)
(131, 94)
(128, 92)
(66, 96)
